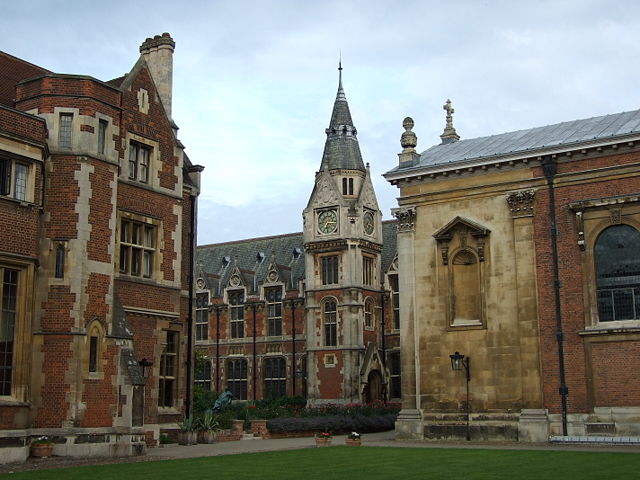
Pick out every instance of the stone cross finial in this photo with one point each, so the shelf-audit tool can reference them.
(449, 135)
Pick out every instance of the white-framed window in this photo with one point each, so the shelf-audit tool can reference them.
(137, 247)
(139, 162)
(14, 179)
(202, 316)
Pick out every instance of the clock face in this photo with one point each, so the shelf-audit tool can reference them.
(327, 221)
(368, 223)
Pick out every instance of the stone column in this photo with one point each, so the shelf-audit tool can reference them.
(533, 423)
(409, 423)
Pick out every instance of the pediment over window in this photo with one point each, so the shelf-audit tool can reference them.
(460, 225)
(468, 235)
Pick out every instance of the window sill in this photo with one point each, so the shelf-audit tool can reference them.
(615, 328)
(7, 402)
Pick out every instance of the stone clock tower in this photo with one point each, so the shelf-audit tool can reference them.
(343, 243)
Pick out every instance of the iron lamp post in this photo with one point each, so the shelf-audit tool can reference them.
(458, 362)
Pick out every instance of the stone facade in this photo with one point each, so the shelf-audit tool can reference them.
(478, 249)
(99, 226)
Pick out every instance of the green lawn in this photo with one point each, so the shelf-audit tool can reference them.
(355, 463)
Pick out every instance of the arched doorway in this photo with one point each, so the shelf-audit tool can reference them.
(373, 390)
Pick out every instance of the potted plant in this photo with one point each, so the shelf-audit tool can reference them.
(353, 439)
(187, 434)
(42, 447)
(323, 439)
(207, 427)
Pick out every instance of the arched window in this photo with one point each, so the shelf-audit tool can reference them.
(351, 186)
(617, 263)
(368, 313)
(275, 377)
(466, 287)
(237, 378)
(344, 186)
(94, 347)
(329, 316)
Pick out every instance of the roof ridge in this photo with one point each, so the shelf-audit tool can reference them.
(247, 240)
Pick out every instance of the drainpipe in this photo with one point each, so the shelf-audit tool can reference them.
(192, 242)
(383, 297)
(549, 167)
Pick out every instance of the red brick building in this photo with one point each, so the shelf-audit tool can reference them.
(98, 203)
(312, 313)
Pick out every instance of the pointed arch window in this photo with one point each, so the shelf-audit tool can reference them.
(236, 302)
(274, 310)
(330, 320)
(617, 264)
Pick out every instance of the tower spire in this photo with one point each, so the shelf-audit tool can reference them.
(341, 149)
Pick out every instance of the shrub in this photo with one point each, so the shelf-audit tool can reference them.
(332, 423)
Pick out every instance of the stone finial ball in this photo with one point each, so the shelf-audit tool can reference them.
(407, 123)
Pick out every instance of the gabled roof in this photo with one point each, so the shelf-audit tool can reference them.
(530, 142)
(341, 149)
(254, 257)
(12, 71)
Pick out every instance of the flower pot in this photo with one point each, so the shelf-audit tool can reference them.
(40, 450)
(187, 438)
(353, 443)
(323, 442)
(238, 426)
(207, 436)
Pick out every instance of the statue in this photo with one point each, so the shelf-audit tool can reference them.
(223, 401)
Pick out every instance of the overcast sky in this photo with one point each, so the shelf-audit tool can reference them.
(255, 81)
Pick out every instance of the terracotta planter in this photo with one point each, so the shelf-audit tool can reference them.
(353, 443)
(40, 450)
(323, 442)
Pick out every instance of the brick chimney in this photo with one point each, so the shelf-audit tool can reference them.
(158, 53)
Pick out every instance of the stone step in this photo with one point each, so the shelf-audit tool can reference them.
(249, 436)
(595, 439)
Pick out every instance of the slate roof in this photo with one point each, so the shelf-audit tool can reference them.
(531, 141)
(341, 149)
(12, 71)
(216, 262)
(253, 257)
